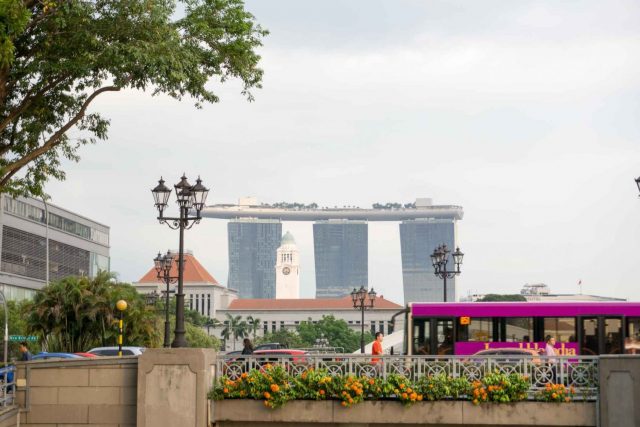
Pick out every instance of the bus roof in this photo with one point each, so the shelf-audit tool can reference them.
(525, 309)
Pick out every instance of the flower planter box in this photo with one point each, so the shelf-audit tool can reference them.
(227, 413)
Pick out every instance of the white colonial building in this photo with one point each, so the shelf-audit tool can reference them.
(276, 314)
(288, 269)
(202, 292)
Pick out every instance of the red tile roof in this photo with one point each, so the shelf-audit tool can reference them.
(343, 303)
(194, 272)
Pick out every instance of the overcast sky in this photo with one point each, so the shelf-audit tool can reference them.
(525, 113)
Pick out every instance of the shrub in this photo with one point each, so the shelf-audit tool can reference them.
(555, 393)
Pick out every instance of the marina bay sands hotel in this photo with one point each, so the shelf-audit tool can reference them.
(340, 245)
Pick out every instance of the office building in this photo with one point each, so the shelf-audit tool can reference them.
(341, 257)
(77, 245)
(252, 256)
(418, 239)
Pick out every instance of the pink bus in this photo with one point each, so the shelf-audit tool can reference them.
(585, 328)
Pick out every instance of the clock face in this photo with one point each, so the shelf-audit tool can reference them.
(286, 270)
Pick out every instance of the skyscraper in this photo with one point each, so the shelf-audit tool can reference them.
(418, 239)
(252, 256)
(341, 256)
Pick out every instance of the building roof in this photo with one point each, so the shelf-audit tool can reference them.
(194, 272)
(343, 303)
(288, 239)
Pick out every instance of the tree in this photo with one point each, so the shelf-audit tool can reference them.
(254, 325)
(501, 297)
(288, 338)
(236, 327)
(336, 331)
(58, 56)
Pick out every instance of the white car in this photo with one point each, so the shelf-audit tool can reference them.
(113, 351)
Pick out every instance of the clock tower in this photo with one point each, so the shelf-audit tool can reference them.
(288, 269)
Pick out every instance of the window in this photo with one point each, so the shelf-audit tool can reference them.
(281, 324)
(197, 301)
(632, 342)
(190, 301)
(202, 304)
(612, 335)
(518, 329)
(479, 329)
(208, 305)
(266, 328)
(373, 327)
(273, 326)
(563, 329)
(381, 326)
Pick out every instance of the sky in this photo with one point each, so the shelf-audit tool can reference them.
(524, 113)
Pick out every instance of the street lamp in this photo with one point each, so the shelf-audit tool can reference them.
(163, 265)
(189, 197)
(361, 301)
(440, 258)
(121, 305)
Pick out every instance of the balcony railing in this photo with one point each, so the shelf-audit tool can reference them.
(579, 372)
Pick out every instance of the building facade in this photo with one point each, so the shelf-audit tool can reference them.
(253, 244)
(77, 246)
(341, 257)
(276, 314)
(288, 269)
(202, 292)
(418, 239)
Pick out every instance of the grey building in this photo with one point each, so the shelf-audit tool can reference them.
(418, 239)
(77, 245)
(341, 257)
(252, 256)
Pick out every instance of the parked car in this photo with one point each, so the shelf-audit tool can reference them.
(272, 355)
(45, 355)
(87, 355)
(270, 346)
(505, 353)
(113, 351)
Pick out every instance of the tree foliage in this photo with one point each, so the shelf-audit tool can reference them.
(58, 56)
(502, 297)
(290, 339)
(336, 331)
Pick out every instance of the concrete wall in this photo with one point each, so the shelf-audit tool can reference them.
(233, 413)
(620, 391)
(82, 392)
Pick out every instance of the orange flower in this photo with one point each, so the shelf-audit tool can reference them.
(409, 390)
(414, 396)
(321, 392)
(244, 375)
(350, 400)
(267, 395)
(401, 386)
(553, 396)
(475, 401)
(275, 388)
(371, 382)
(419, 398)
(343, 403)
(225, 390)
(404, 395)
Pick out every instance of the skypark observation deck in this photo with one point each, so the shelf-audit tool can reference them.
(356, 214)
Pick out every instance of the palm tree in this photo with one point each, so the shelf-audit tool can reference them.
(235, 327)
(254, 325)
(212, 323)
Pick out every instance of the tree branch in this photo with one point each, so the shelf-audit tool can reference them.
(12, 168)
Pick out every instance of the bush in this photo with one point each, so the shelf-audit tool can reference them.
(555, 393)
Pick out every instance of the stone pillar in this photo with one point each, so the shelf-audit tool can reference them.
(172, 386)
(619, 391)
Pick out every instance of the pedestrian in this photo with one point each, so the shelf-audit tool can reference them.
(248, 346)
(376, 350)
(550, 352)
(26, 354)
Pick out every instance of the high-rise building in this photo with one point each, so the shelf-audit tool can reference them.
(341, 257)
(418, 239)
(77, 245)
(288, 269)
(252, 256)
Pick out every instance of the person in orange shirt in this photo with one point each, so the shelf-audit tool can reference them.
(377, 349)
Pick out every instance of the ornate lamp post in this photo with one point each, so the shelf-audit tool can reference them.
(361, 301)
(163, 266)
(440, 258)
(189, 197)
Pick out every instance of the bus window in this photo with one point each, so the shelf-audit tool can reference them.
(563, 329)
(519, 329)
(632, 342)
(589, 345)
(444, 337)
(421, 337)
(613, 335)
(480, 329)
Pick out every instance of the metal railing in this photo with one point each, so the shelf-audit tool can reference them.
(579, 372)
(7, 386)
